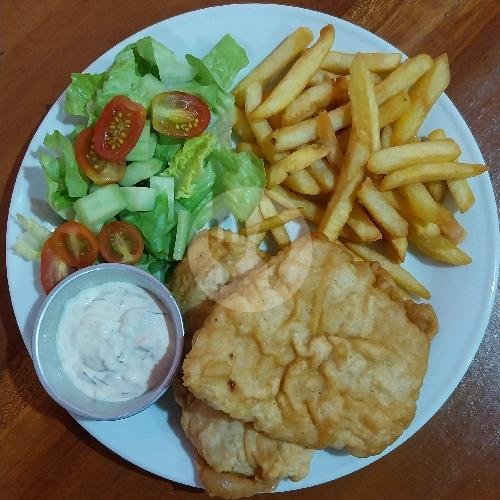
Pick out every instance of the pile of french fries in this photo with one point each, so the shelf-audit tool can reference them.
(339, 135)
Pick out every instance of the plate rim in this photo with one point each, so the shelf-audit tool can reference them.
(419, 420)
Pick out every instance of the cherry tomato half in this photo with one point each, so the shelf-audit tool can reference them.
(75, 244)
(120, 242)
(178, 114)
(53, 269)
(97, 169)
(118, 128)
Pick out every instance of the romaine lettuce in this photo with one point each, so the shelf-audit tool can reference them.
(154, 226)
(221, 64)
(162, 62)
(187, 164)
(240, 179)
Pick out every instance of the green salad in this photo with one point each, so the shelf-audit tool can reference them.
(150, 163)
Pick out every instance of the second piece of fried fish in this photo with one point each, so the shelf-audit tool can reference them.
(235, 460)
(337, 362)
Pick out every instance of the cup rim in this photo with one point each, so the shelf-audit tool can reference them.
(165, 298)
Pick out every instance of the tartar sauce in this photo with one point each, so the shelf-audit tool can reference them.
(112, 341)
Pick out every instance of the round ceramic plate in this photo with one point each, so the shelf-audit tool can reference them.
(462, 296)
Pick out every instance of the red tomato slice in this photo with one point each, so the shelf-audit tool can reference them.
(178, 114)
(97, 169)
(53, 269)
(118, 128)
(75, 244)
(120, 242)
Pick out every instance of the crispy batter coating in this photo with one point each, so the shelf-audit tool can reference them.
(234, 460)
(337, 363)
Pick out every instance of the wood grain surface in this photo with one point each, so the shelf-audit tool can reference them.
(44, 453)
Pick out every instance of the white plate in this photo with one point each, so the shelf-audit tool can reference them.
(462, 297)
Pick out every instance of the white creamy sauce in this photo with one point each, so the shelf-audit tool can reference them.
(112, 341)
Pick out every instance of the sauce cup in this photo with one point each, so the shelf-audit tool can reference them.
(44, 349)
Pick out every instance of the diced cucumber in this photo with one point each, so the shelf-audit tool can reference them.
(94, 187)
(139, 199)
(98, 207)
(139, 170)
(140, 152)
(167, 185)
(182, 233)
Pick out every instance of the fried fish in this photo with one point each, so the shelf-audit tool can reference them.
(329, 358)
(234, 459)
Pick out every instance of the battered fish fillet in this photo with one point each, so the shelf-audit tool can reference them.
(337, 362)
(235, 460)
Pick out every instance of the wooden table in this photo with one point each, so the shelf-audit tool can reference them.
(44, 453)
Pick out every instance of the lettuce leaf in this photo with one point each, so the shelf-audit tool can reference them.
(240, 179)
(157, 267)
(81, 92)
(187, 165)
(154, 226)
(161, 62)
(222, 119)
(221, 64)
(202, 189)
(77, 184)
(120, 79)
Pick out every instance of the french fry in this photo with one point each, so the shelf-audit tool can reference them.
(364, 109)
(398, 81)
(286, 52)
(385, 137)
(437, 190)
(287, 199)
(340, 90)
(423, 207)
(462, 194)
(250, 146)
(321, 76)
(437, 246)
(403, 77)
(260, 128)
(296, 78)
(323, 175)
(267, 209)
(362, 225)
(437, 134)
(425, 172)
(327, 137)
(348, 233)
(397, 248)
(459, 188)
(398, 157)
(422, 97)
(255, 218)
(351, 174)
(402, 277)
(393, 108)
(272, 222)
(241, 126)
(302, 182)
(307, 104)
(295, 161)
(303, 132)
(383, 212)
(379, 62)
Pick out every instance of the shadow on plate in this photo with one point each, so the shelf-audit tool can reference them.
(173, 410)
